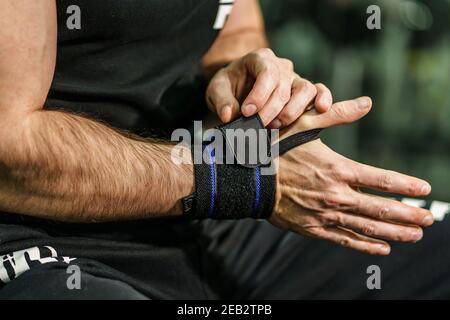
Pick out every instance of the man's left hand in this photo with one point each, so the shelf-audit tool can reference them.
(263, 83)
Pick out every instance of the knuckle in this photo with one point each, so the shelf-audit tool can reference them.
(214, 87)
(264, 52)
(356, 203)
(328, 217)
(344, 242)
(288, 64)
(340, 200)
(383, 213)
(288, 115)
(210, 99)
(337, 171)
(340, 113)
(307, 87)
(339, 219)
(385, 181)
(323, 87)
(312, 89)
(320, 84)
(369, 229)
(323, 218)
(414, 188)
(331, 199)
(284, 95)
(268, 51)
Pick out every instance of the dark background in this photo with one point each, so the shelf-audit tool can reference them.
(404, 67)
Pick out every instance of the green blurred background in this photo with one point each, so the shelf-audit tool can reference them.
(404, 67)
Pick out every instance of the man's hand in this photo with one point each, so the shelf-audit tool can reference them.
(262, 82)
(318, 195)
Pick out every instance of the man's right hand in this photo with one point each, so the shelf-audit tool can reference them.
(318, 191)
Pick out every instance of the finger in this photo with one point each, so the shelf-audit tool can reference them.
(344, 112)
(352, 240)
(281, 96)
(375, 228)
(391, 210)
(388, 181)
(340, 113)
(324, 99)
(221, 100)
(303, 94)
(267, 79)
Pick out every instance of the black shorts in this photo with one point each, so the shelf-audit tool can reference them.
(210, 260)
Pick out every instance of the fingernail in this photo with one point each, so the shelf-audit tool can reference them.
(426, 189)
(384, 249)
(428, 220)
(364, 103)
(276, 124)
(225, 114)
(416, 235)
(249, 110)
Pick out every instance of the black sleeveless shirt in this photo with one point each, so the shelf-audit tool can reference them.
(134, 63)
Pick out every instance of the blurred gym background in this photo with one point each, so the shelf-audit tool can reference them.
(404, 67)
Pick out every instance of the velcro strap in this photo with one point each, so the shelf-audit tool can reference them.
(240, 136)
(297, 140)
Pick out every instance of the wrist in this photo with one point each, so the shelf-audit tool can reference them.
(278, 185)
(184, 173)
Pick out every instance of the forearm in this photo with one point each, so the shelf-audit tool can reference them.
(233, 46)
(65, 167)
(243, 33)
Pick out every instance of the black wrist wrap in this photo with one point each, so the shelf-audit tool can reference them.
(239, 190)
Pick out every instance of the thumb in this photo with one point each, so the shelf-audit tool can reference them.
(221, 100)
(344, 112)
